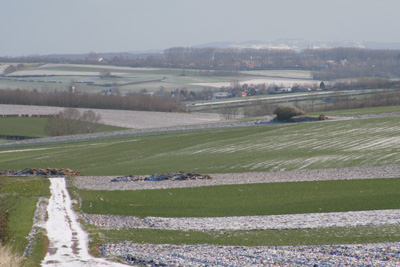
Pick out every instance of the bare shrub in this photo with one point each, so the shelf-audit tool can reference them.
(71, 121)
(229, 112)
(286, 113)
(90, 121)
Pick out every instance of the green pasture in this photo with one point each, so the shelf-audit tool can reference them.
(32, 127)
(21, 194)
(248, 199)
(296, 237)
(276, 147)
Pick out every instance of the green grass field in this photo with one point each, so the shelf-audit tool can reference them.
(322, 236)
(22, 193)
(254, 199)
(319, 145)
(248, 199)
(32, 127)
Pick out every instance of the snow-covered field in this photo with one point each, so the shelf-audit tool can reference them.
(101, 67)
(3, 67)
(124, 118)
(51, 70)
(37, 72)
(267, 81)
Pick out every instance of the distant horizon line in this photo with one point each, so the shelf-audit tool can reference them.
(282, 43)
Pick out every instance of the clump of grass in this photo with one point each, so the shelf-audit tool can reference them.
(9, 258)
(21, 196)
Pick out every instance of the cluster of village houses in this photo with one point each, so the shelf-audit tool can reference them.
(229, 93)
(254, 91)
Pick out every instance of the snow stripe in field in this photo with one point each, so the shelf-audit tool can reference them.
(267, 222)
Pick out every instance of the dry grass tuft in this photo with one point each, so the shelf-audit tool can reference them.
(8, 258)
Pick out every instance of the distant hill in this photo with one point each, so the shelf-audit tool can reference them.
(300, 44)
(126, 55)
(292, 44)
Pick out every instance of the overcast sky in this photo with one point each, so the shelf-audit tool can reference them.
(80, 26)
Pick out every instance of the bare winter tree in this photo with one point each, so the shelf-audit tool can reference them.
(71, 117)
(104, 74)
(229, 112)
(91, 121)
(71, 121)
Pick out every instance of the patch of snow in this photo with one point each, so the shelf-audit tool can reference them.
(68, 242)
(108, 67)
(3, 68)
(23, 150)
(269, 81)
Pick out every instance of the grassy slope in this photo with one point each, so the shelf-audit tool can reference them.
(355, 235)
(331, 144)
(250, 199)
(278, 198)
(24, 193)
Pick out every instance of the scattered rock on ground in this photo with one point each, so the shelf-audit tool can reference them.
(128, 178)
(177, 176)
(40, 172)
(170, 176)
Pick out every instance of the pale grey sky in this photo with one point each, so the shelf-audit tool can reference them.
(80, 26)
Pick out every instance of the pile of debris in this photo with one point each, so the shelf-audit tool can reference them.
(170, 176)
(128, 178)
(40, 172)
(309, 118)
(177, 176)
